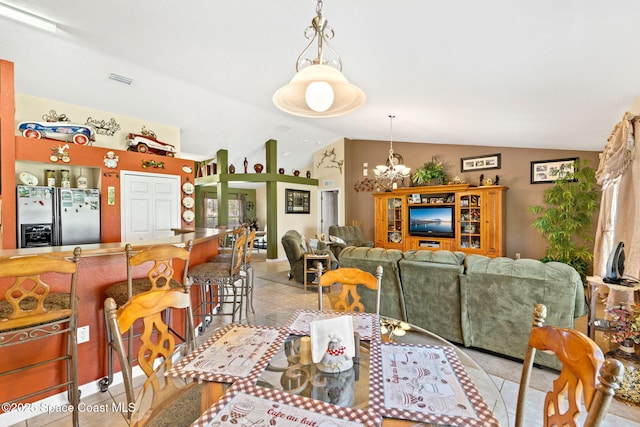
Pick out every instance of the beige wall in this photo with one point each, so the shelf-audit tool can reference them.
(329, 169)
(32, 108)
(305, 224)
(514, 173)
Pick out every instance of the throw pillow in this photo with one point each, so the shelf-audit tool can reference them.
(337, 240)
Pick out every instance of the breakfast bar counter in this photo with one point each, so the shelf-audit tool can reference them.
(100, 266)
(182, 236)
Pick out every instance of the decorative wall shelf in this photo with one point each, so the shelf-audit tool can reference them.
(254, 177)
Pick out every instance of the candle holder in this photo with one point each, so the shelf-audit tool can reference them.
(391, 327)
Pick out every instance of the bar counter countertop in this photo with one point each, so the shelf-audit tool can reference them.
(181, 237)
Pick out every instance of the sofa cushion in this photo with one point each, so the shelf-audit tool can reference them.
(438, 257)
(498, 297)
(431, 287)
(367, 259)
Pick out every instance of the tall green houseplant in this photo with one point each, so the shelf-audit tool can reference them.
(565, 218)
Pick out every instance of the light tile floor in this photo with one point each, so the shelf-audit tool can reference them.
(276, 300)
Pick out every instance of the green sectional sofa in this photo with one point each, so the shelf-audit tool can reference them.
(473, 300)
(368, 259)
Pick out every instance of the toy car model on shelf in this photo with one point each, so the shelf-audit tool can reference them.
(61, 131)
(147, 143)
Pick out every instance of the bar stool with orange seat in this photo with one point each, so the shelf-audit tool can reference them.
(246, 268)
(217, 282)
(32, 311)
(159, 276)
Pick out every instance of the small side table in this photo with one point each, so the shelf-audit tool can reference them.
(594, 323)
(310, 269)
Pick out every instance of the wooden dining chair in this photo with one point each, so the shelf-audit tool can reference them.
(157, 343)
(350, 278)
(35, 308)
(584, 372)
(158, 263)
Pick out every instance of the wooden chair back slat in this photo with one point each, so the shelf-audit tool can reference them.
(350, 278)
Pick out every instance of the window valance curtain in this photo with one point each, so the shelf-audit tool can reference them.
(618, 174)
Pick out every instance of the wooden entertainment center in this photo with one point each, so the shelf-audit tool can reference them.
(476, 225)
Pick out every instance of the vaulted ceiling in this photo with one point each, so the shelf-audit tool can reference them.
(544, 73)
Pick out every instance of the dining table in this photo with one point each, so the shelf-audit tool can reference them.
(261, 376)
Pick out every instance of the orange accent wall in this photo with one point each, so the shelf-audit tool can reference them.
(39, 150)
(7, 155)
(95, 274)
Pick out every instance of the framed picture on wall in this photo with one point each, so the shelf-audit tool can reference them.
(489, 161)
(297, 201)
(545, 171)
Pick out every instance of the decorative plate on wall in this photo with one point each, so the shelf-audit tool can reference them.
(188, 202)
(28, 179)
(188, 216)
(396, 237)
(188, 188)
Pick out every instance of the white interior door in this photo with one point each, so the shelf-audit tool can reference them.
(329, 213)
(150, 205)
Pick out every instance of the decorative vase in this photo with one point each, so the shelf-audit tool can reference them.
(629, 391)
(296, 172)
(258, 167)
(308, 174)
(246, 165)
(232, 169)
(281, 171)
(81, 181)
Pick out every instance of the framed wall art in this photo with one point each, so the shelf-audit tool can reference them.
(545, 171)
(489, 161)
(297, 201)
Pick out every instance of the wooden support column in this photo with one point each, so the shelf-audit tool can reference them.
(222, 193)
(272, 200)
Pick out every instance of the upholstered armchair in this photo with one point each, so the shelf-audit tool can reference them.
(295, 248)
(346, 235)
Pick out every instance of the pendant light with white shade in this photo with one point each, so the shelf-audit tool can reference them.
(319, 89)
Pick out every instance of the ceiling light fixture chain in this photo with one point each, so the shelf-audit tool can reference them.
(391, 172)
(321, 31)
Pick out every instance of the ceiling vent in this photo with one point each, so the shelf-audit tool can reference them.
(120, 79)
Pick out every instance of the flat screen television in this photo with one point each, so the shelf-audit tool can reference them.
(432, 221)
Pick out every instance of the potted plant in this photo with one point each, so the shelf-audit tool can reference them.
(566, 216)
(431, 173)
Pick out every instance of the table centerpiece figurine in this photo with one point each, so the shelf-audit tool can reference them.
(332, 344)
(335, 358)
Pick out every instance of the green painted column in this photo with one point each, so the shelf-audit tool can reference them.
(222, 192)
(272, 200)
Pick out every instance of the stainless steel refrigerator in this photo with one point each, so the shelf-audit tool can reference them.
(49, 216)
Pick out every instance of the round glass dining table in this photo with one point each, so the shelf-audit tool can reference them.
(166, 400)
